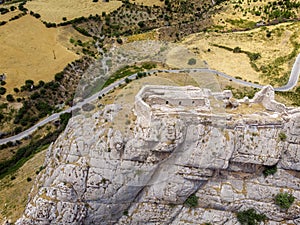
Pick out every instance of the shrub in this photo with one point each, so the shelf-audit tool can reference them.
(2, 90)
(10, 98)
(192, 61)
(191, 201)
(282, 136)
(59, 76)
(250, 217)
(29, 179)
(237, 50)
(270, 170)
(284, 200)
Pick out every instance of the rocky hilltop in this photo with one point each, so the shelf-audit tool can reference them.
(183, 141)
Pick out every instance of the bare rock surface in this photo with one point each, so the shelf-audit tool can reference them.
(97, 175)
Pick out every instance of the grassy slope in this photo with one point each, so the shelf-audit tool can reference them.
(14, 193)
(275, 51)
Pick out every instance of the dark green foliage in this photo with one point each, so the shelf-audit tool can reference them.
(148, 65)
(18, 130)
(192, 61)
(25, 153)
(81, 30)
(237, 50)
(127, 80)
(284, 200)
(270, 170)
(3, 11)
(2, 90)
(120, 41)
(252, 56)
(21, 7)
(141, 24)
(282, 136)
(10, 98)
(121, 73)
(125, 213)
(29, 179)
(191, 201)
(59, 76)
(250, 217)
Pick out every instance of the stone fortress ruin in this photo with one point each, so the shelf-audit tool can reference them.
(259, 130)
(185, 141)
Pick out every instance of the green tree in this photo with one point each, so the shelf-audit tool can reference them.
(2, 90)
(10, 98)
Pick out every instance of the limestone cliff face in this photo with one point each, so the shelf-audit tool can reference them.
(97, 175)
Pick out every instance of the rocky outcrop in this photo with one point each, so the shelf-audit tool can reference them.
(97, 175)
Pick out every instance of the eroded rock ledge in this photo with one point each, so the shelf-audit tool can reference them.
(184, 140)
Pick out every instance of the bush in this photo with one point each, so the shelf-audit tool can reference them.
(284, 200)
(282, 136)
(250, 217)
(29, 179)
(270, 170)
(237, 50)
(191, 201)
(10, 98)
(192, 61)
(2, 90)
(59, 76)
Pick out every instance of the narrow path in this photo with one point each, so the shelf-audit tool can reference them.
(293, 80)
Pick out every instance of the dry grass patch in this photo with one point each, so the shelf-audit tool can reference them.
(65, 34)
(254, 41)
(14, 193)
(55, 10)
(179, 57)
(31, 51)
(152, 35)
(148, 2)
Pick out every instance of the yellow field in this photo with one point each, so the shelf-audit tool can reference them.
(55, 10)
(254, 41)
(148, 2)
(29, 50)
